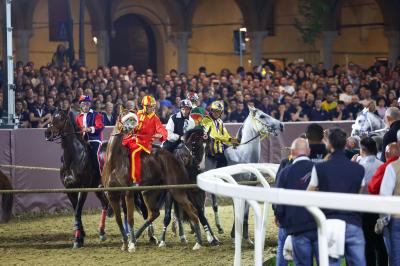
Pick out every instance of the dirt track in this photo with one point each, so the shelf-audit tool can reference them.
(47, 240)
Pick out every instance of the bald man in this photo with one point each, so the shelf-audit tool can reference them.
(297, 221)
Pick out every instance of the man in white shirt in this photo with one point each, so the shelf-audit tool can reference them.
(178, 124)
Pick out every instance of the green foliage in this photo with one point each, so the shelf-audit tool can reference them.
(312, 19)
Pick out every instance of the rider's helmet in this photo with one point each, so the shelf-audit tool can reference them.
(217, 106)
(85, 101)
(148, 101)
(185, 103)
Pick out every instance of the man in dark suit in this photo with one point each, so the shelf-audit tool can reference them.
(392, 120)
(297, 221)
(340, 175)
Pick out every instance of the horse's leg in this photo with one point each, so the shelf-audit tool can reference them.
(115, 199)
(130, 206)
(246, 225)
(178, 215)
(182, 199)
(211, 238)
(102, 224)
(167, 218)
(79, 230)
(126, 225)
(216, 215)
(153, 207)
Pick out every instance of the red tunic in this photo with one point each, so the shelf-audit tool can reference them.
(148, 126)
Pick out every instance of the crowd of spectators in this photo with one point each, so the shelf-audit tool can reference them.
(299, 92)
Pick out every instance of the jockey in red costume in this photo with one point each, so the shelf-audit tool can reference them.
(91, 125)
(149, 128)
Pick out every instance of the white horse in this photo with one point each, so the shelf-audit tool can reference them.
(257, 126)
(368, 124)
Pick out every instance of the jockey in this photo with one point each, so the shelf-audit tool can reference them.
(218, 135)
(91, 124)
(178, 125)
(198, 112)
(149, 128)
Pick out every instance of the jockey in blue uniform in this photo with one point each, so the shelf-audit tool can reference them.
(91, 124)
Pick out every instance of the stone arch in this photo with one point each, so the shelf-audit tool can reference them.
(160, 28)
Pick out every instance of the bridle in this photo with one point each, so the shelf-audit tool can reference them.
(263, 133)
(61, 132)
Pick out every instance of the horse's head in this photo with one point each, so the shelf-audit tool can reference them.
(263, 123)
(365, 123)
(57, 125)
(126, 122)
(194, 140)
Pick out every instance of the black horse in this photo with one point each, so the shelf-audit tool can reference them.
(78, 170)
(190, 154)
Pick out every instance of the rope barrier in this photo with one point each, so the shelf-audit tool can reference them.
(29, 167)
(136, 188)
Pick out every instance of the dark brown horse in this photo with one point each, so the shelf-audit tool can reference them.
(6, 198)
(77, 170)
(158, 168)
(190, 153)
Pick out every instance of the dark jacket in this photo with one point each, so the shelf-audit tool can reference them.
(295, 220)
(340, 175)
(317, 152)
(389, 137)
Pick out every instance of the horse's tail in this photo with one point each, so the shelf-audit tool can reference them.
(6, 199)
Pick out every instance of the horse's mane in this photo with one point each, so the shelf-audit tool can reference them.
(240, 133)
(189, 133)
(71, 118)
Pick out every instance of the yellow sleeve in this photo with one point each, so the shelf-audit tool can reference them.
(209, 127)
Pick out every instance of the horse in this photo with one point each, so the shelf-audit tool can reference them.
(6, 198)
(256, 127)
(77, 171)
(190, 153)
(158, 168)
(116, 173)
(368, 124)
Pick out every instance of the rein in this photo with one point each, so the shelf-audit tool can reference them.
(61, 132)
(260, 133)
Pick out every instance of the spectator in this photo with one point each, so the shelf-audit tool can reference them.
(329, 104)
(352, 147)
(39, 116)
(109, 117)
(389, 187)
(282, 114)
(392, 153)
(339, 174)
(340, 112)
(297, 221)
(130, 105)
(240, 114)
(354, 107)
(22, 115)
(392, 120)
(315, 135)
(60, 57)
(317, 113)
(374, 246)
(381, 108)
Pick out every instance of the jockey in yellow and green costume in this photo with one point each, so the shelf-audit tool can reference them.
(218, 135)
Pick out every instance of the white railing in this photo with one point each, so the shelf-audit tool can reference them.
(220, 181)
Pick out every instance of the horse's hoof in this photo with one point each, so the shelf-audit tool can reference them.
(153, 240)
(131, 247)
(220, 230)
(162, 244)
(183, 239)
(249, 242)
(78, 244)
(197, 246)
(124, 246)
(214, 242)
(102, 237)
